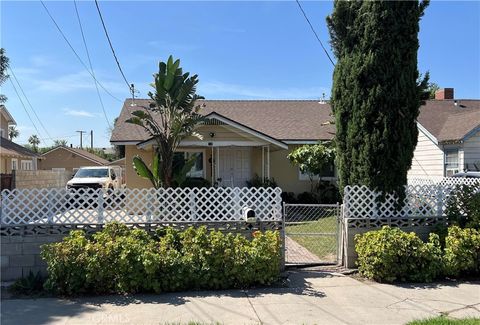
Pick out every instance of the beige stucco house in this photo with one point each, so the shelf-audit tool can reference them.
(242, 138)
(13, 156)
(63, 158)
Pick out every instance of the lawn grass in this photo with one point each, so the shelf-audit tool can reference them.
(445, 321)
(322, 246)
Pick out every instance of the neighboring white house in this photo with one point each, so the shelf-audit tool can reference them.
(449, 136)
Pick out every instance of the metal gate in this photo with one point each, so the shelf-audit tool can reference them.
(311, 233)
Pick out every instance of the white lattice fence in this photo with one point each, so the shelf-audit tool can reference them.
(86, 206)
(424, 198)
(446, 181)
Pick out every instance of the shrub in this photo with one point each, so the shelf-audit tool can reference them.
(29, 285)
(121, 260)
(391, 254)
(257, 181)
(196, 182)
(462, 251)
(463, 207)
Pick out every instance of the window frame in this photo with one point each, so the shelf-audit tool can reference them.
(448, 169)
(27, 163)
(204, 157)
(14, 160)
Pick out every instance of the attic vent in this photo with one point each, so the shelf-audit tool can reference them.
(212, 121)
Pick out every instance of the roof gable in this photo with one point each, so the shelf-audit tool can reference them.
(12, 149)
(80, 152)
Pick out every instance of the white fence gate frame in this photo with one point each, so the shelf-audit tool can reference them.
(312, 233)
(87, 206)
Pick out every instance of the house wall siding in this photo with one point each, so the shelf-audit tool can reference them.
(62, 158)
(471, 152)
(427, 159)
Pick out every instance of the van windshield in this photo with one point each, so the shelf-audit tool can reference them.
(96, 173)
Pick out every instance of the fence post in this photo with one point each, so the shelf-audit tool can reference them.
(236, 200)
(50, 207)
(100, 206)
(150, 205)
(439, 197)
(193, 212)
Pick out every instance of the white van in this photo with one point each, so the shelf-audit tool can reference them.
(98, 177)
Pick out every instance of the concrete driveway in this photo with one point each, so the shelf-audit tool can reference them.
(312, 297)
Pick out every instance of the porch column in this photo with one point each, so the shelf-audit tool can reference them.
(217, 163)
(265, 162)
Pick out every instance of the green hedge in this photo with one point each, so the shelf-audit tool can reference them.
(462, 252)
(120, 260)
(391, 254)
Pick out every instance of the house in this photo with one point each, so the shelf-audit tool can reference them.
(63, 158)
(13, 156)
(449, 137)
(242, 138)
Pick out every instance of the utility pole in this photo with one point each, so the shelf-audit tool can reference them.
(91, 139)
(81, 138)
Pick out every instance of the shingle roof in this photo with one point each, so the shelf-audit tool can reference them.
(11, 149)
(81, 153)
(449, 122)
(279, 119)
(309, 120)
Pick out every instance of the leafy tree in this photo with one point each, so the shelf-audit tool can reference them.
(60, 142)
(3, 72)
(13, 132)
(34, 141)
(313, 160)
(432, 89)
(376, 91)
(170, 118)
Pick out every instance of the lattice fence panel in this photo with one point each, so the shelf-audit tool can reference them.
(424, 198)
(87, 206)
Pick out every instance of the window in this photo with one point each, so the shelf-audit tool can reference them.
(451, 162)
(14, 164)
(2, 133)
(327, 173)
(181, 157)
(26, 165)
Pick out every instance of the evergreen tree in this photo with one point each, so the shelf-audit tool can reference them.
(376, 91)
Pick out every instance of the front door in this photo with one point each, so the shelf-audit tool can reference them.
(234, 166)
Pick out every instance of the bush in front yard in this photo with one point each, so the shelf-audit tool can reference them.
(391, 254)
(462, 252)
(122, 260)
(463, 207)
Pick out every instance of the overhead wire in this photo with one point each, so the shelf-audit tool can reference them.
(112, 49)
(90, 64)
(29, 103)
(26, 111)
(313, 30)
(75, 52)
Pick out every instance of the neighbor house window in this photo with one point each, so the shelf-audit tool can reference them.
(26, 165)
(451, 162)
(198, 169)
(14, 164)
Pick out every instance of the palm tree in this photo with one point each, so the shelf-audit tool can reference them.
(169, 119)
(60, 142)
(13, 132)
(34, 141)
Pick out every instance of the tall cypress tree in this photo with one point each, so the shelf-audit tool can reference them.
(376, 91)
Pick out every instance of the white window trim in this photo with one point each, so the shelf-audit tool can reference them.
(305, 177)
(26, 163)
(204, 155)
(16, 164)
(447, 169)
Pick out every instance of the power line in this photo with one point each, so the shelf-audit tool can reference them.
(75, 52)
(29, 104)
(26, 111)
(313, 30)
(111, 46)
(90, 63)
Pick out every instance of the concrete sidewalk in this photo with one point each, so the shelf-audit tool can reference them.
(312, 297)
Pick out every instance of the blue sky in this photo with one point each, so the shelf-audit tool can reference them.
(240, 50)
